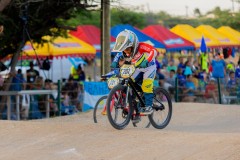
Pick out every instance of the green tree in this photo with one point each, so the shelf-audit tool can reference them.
(197, 12)
(34, 18)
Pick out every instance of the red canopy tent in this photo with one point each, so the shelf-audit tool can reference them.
(172, 41)
(92, 35)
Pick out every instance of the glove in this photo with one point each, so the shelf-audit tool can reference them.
(144, 64)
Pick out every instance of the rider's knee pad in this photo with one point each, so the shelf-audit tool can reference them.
(147, 85)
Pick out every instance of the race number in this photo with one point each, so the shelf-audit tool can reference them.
(112, 82)
(127, 70)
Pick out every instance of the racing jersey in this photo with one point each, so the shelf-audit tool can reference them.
(145, 52)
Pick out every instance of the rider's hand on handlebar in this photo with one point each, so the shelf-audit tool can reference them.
(121, 62)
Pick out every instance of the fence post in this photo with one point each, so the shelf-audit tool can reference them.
(59, 98)
(9, 107)
(17, 107)
(176, 89)
(48, 106)
(219, 91)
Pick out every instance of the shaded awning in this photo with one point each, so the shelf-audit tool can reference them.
(230, 33)
(213, 33)
(188, 32)
(59, 47)
(172, 41)
(92, 35)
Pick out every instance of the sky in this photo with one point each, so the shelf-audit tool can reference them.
(181, 7)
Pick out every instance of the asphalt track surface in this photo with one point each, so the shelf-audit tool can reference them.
(196, 132)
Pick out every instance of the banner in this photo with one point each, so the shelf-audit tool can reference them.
(92, 92)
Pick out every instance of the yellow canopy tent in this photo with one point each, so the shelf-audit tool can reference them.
(59, 47)
(213, 33)
(230, 33)
(191, 34)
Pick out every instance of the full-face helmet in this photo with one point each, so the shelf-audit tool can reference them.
(124, 40)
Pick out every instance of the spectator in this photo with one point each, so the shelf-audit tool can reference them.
(195, 66)
(204, 61)
(232, 84)
(37, 101)
(181, 63)
(66, 107)
(81, 75)
(230, 67)
(202, 80)
(31, 75)
(180, 77)
(171, 78)
(211, 90)
(80, 97)
(18, 84)
(18, 81)
(77, 74)
(188, 70)
(171, 66)
(160, 76)
(171, 81)
(218, 67)
(164, 60)
(237, 72)
(189, 90)
(172, 58)
(72, 88)
(52, 101)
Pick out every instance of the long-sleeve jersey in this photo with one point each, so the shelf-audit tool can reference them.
(145, 52)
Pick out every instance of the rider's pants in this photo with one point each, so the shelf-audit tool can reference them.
(149, 74)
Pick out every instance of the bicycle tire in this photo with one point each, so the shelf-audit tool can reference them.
(122, 108)
(96, 107)
(161, 108)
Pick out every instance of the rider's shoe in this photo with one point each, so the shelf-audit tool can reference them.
(147, 110)
(136, 119)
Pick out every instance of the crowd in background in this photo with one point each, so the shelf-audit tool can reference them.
(71, 93)
(197, 77)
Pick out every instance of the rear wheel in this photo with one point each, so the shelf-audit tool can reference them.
(162, 106)
(119, 110)
(99, 111)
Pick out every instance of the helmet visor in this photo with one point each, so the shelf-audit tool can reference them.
(121, 44)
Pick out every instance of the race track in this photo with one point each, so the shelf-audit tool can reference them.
(196, 132)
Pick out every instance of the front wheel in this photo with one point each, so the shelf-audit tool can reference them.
(120, 113)
(162, 106)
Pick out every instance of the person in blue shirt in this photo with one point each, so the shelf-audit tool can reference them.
(188, 70)
(181, 63)
(237, 71)
(232, 84)
(180, 77)
(18, 81)
(189, 90)
(218, 66)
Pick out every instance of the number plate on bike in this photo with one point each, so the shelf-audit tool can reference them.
(112, 82)
(127, 70)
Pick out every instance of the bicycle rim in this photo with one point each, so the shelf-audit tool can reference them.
(162, 106)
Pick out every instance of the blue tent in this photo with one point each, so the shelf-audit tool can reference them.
(141, 36)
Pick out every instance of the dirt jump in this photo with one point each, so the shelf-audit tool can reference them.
(196, 132)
